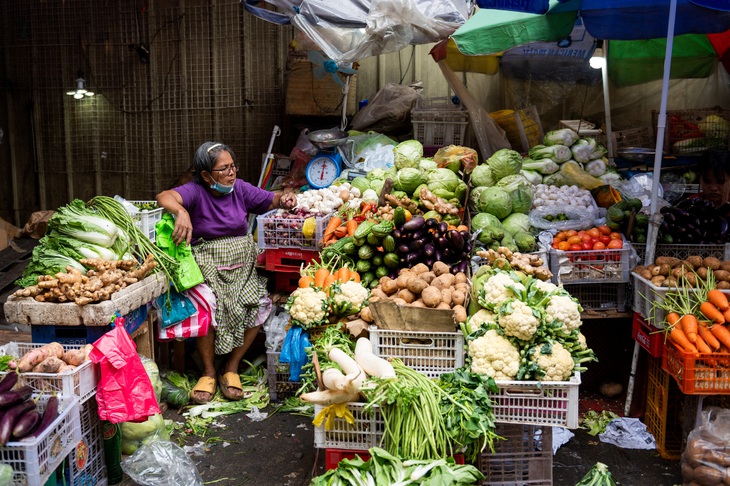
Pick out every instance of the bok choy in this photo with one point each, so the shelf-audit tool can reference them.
(79, 222)
(46, 261)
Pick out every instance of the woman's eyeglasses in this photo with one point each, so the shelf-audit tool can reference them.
(230, 168)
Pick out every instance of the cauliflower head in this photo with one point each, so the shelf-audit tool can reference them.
(483, 316)
(518, 320)
(350, 298)
(493, 355)
(558, 365)
(308, 306)
(496, 289)
(564, 309)
(543, 286)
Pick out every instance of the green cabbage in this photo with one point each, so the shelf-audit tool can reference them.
(556, 153)
(510, 183)
(532, 177)
(521, 199)
(407, 180)
(377, 186)
(408, 154)
(426, 165)
(490, 227)
(516, 222)
(505, 162)
(482, 176)
(141, 430)
(443, 183)
(564, 136)
(496, 201)
(375, 174)
(390, 173)
(474, 196)
(361, 183)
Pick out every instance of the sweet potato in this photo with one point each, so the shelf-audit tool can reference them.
(48, 365)
(76, 357)
(36, 356)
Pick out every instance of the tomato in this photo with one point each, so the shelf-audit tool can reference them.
(615, 244)
(615, 235)
(571, 232)
(594, 240)
(586, 237)
(556, 240)
(581, 232)
(564, 246)
(561, 236)
(594, 232)
(587, 245)
(605, 230)
(575, 240)
(576, 248)
(604, 238)
(555, 245)
(599, 245)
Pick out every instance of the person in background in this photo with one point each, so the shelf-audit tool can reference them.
(211, 213)
(714, 169)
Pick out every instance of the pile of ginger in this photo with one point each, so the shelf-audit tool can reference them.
(99, 283)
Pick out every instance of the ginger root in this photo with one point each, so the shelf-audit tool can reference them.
(405, 203)
(435, 203)
(504, 258)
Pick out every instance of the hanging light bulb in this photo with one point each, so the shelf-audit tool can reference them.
(597, 60)
(80, 90)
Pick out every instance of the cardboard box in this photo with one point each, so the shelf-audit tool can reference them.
(391, 316)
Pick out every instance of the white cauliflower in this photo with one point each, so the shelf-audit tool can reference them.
(496, 289)
(308, 306)
(482, 316)
(518, 320)
(582, 341)
(493, 355)
(558, 366)
(564, 309)
(350, 298)
(546, 287)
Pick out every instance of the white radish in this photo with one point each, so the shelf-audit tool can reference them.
(355, 374)
(333, 379)
(372, 364)
(329, 397)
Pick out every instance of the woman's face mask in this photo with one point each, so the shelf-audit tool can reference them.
(223, 189)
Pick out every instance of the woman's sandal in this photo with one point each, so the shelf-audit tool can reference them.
(230, 380)
(205, 384)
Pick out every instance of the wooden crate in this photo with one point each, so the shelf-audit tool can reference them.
(307, 95)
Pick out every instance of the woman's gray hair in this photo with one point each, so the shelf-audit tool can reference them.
(205, 157)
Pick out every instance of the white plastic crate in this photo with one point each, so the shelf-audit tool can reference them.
(430, 353)
(720, 251)
(591, 266)
(34, 460)
(609, 296)
(80, 382)
(146, 219)
(286, 232)
(551, 403)
(646, 294)
(439, 122)
(525, 457)
(366, 432)
(85, 465)
(280, 387)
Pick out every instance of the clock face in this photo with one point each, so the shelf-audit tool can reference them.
(322, 171)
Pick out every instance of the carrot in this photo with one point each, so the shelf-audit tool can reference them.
(354, 276)
(343, 274)
(708, 337)
(341, 231)
(334, 223)
(320, 276)
(305, 281)
(328, 283)
(680, 339)
(673, 319)
(702, 346)
(351, 226)
(712, 313)
(722, 334)
(718, 299)
(689, 327)
(726, 315)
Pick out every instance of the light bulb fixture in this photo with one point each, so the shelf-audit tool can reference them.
(80, 92)
(597, 60)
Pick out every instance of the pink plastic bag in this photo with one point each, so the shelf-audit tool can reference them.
(197, 324)
(125, 392)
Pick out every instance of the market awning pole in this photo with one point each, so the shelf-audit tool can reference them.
(607, 102)
(655, 216)
(274, 133)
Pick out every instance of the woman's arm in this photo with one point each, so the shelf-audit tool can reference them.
(173, 202)
(285, 199)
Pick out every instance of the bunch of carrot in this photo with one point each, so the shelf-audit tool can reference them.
(323, 278)
(344, 222)
(707, 334)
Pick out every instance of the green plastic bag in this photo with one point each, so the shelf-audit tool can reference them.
(188, 274)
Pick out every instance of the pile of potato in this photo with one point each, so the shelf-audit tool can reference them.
(692, 272)
(420, 286)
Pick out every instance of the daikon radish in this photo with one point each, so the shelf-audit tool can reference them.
(372, 364)
(329, 397)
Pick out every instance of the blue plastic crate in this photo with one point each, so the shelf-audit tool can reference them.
(85, 334)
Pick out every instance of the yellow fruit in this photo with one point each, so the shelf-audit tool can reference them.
(309, 227)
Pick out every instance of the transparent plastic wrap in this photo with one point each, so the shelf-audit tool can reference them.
(162, 463)
(706, 459)
(389, 110)
(577, 219)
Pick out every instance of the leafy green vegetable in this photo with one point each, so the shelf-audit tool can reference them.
(516, 222)
(583, 149)
(554, 153)
(564, 136)
(482, 176)
(521, 198)
(407, 180)
(496, 201)
(512, 182)
(533, 177)
(505, 162)
(599, 475)
(46, 261)
(596, 422)
(361, 183)
(407, 154)
(4, 360)
(545, 166)
(79, 222)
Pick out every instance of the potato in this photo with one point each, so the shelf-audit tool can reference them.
(690, 279)
(431, 296)
(376, 298)
(420, 268)
(658, 280)
(439, 283)
(402, 280)
(462, 287)
(711, 262)
(722, 285)
(378, 292)
(639, 268)
(460, 278)
(458, 297)
(416, 285)
(399, 301)
(440, 268)
(646, 274)
(702, 272)
(443, 306)
(695, 260)
(725, 266)
(418, 303)
(677, 272)
(406, 295)
(671, 261)
(448, 279)
(446, 296)
(427, 277)
(404, 270)
(722, 275)
(366, 314)
(459, 313)
(388, 285)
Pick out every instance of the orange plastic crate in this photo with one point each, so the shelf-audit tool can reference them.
(698, 374)
(663, 414)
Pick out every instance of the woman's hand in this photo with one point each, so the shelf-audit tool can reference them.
(288, 200)
(183, 228)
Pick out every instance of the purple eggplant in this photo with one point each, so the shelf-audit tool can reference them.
(416, 245)
(13, 397)
(432, 223)
(457, 241)
(26, 424)
(428, 250)
(443, 227)
(8, 382)
(404, 249)
(10, 418)
(416, 223)
(49, 415)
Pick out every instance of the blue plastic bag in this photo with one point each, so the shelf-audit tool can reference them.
(293, 351)
(174, 307)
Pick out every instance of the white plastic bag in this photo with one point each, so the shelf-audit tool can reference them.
(162, 463)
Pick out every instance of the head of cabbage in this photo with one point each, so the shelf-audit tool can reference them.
(505, 162)
(407, 180)
(495, 201)
(489, 226)
(521, 199)
(443, 183)
(516, 222)
(407, 154)
(482, 176)
(426, 165)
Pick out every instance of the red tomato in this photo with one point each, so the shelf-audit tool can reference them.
(555, 244)
(587, 245)
(576, 247)
(564, 246)
(615, 235)
(575, 240)
(594, 240)
(605, 230)
(585, 237)
(594, 232)
(561, 236)
(599, 245)
(604, 238)
(615, 244)
(571, 232)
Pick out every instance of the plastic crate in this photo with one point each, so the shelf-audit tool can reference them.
(591, 266)
(80, 382)
(366, 432)
(332, 457)
(289, 259)
(647, 294)
(85, 466)
(280, 388)
(720, 251)
(286, 282)
(522, 127)
(279, 232)
(525, 457)
(146, 219)
(633, 137)
(690, 124)
(609, 296)
(430, 353)
(698, 373)
(34, 460)
(438, 121)
(648, 337)
(551, 403)
(664, 412)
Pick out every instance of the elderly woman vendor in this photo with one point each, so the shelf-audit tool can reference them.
(211, 212)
